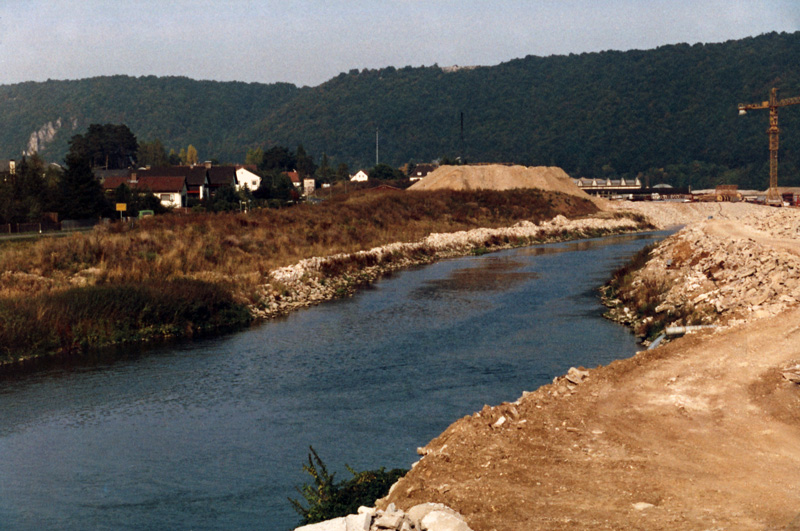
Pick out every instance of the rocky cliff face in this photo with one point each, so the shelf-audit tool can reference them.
(43, 136)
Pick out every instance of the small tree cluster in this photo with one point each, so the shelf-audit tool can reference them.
(30, 191)
(280, 159)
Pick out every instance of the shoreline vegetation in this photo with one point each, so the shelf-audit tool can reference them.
(180, 275)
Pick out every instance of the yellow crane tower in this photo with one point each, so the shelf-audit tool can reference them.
(773, 104)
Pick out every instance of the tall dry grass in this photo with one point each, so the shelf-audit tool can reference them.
(239, 250)
(173, 274)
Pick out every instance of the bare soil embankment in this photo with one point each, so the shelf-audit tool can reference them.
(503, 177)
(700, 433)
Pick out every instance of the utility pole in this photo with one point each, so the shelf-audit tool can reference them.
(773, 104)
(376, 146)
(461, 138)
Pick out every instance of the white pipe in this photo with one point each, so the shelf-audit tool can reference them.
(681, 330)
(657, 341)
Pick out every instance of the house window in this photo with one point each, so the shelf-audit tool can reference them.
(166, 197)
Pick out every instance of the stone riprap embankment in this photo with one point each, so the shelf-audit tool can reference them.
(423, 517)
(317, 279)
(724, 270)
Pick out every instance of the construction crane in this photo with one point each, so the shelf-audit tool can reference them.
(773, 104)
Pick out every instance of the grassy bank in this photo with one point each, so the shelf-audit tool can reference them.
(176, 274)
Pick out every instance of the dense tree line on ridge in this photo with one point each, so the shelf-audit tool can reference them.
(665, 114)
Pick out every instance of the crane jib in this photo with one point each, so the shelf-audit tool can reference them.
(773, 196)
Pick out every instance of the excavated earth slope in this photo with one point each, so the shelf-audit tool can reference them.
(700, 433)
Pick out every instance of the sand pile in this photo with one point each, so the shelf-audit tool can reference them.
(499, 177)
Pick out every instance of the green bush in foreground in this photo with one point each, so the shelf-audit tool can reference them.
(327, 499)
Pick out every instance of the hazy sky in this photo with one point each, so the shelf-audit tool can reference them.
(306, 42)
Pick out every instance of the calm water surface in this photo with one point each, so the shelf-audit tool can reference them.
(211, 434)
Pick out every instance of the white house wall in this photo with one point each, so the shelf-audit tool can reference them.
(247, 179)
(170, 200)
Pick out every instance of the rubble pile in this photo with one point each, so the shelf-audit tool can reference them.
(725, 280)
(665, 214)
(423, 517)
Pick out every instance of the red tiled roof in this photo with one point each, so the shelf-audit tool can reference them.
(221, 175)
(154, 184)
(195, 175)
(293, 175)
(112, 183)
(161, 184)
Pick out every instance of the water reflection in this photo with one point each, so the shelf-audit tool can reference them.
(587, 245)
(491, 274)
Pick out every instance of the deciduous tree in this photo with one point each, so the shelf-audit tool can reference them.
(325, 173)
(278, 158)
(152, 154)
(342, 172)
(385, 172)
(191, 155)
(254, 156)
(109, 146)
(305, 163)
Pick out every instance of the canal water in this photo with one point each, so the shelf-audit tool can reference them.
(212, 434)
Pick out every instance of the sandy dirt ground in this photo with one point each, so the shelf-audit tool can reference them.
(701, 433)
(501, 177)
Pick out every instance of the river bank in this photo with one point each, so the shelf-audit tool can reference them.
(703, 432)
(317, 279)
(212, 433)
(137, 313)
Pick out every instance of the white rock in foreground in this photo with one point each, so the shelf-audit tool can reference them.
(423, 517)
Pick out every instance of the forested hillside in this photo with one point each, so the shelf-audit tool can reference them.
(668, 113)
(210, 115)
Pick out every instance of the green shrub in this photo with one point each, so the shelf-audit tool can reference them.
(327, 499)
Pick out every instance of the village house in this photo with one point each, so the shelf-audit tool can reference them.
(420, 171)
(7, 168)
(196, 178)
(309, 186)
(171, 191)
(294, 176)
(219, 176)
(202, 180)
(246, 178)
(360, 177)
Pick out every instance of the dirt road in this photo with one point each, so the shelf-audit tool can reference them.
(701, 433)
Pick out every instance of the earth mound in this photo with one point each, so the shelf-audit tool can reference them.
(500, 177)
